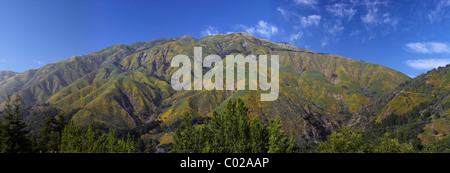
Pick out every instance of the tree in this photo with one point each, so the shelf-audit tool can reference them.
(185, 136)
(51, 133)
(89, 140)
(71, 139)
(291, 143)
(278, 141)
(258, 136)
(232, 132)
(14, 136)
(127, 145)
(440, 146)
(75, 140)
(389, 145)
(346, 140)
(48, 140)
(350, 140)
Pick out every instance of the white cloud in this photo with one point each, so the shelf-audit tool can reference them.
(263, 29)
(305, 2)
(355, 33)
(310, 20)
(371, 16)
(295, 36)
(342, 10)
(436, 14)
(210, 30)
(428, 47)
(284, 13)
(41, 62)
(324, 42)
(387, 19)
(335, 28)
(427, 64)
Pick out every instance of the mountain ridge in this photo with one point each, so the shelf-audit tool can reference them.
(126, 86)
(4, 75)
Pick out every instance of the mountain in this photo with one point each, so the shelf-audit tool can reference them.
(128, 86)
(417, 110)
(6, 75)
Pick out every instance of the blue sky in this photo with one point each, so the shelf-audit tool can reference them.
(411, 36)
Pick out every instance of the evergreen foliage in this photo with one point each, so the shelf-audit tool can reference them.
(51, 134)
(232, 132)
(14, 138)
(351, 140)
(76, 140)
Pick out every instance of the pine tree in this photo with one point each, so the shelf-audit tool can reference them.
(206, 136)
(75, 140)
(291, 143)
(389, 145)
(242, 136)
(14, 135)
(185, 138)
(232, 132)
(89, 140)
(60, 123)
(71, 139)
(130, 146)
(277, 137)
(48, 141)
(110, 142)
(51, 132)
(258, 136)
(218, 129)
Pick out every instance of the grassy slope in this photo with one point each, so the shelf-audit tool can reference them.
(428, 96)
(126, 86)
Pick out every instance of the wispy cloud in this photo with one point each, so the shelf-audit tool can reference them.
(355, 33)
(375, 16)
(427, 64)
(324, 41)
(428, 47)
(342, 10)
(295, 36)
(371, 16)
(286, 14)
(306, 2)
(263, 29)
(311, 20)
(335, 28)
(437, 13)
(365, 19)
(210, 30)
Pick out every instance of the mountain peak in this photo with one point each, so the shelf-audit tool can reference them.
(6, 75)
(187, 37)
(125, 86)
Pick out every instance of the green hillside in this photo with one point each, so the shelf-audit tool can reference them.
(127, 87)
(4, 75)
(418, 110)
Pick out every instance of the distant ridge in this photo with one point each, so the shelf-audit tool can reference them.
(128, 86)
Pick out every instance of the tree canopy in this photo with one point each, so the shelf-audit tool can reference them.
(232, 132)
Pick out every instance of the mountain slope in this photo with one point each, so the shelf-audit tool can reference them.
(419, 109)
(36, 86)
(127, 86)
(6, 75)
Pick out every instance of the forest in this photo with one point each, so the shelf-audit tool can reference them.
(234, 131)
